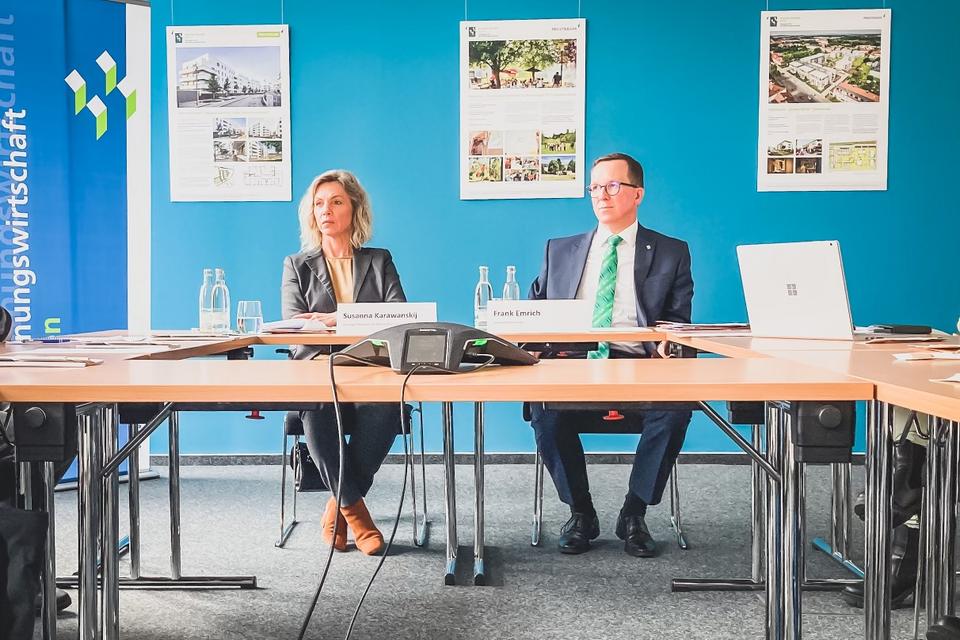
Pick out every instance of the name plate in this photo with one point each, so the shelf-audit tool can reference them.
(509, 316)
(363, 318)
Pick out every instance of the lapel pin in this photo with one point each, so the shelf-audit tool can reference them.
(648, 247)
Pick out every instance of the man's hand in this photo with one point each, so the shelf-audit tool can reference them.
(328, 319)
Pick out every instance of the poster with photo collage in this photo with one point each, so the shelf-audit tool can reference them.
(229, 112)
(824, 100)
(522, 109)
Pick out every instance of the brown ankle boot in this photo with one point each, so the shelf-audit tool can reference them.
(327, 523)
(365, 533)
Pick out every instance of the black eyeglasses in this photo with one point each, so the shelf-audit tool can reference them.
(612, 188)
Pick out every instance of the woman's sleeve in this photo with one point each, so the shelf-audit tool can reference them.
(292, 301)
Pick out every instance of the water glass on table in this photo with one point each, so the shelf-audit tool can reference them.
(249, 317)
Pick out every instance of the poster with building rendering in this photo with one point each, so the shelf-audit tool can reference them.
(824, 100)
(229, 112)
(522, 109)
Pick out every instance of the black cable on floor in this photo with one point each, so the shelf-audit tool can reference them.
(336, 520)
(407, 463)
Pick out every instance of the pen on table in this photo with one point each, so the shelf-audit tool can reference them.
(47, 341)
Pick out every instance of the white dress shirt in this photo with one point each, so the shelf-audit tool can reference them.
(625, 293)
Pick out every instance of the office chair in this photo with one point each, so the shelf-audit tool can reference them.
(306, 476)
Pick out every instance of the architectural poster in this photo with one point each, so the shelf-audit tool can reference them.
(522, 109)
(824, 98)
(229, 112)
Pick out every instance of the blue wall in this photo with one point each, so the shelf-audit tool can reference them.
(375, 90)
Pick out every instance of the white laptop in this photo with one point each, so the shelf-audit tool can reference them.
(796, 290)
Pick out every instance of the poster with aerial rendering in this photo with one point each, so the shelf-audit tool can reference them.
(522, 109)
(824, 100)
(229, 112)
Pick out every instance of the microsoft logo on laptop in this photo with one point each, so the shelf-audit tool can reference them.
(96, 106)
(791, 289)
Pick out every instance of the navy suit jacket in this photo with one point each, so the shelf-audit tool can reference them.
(661, 274)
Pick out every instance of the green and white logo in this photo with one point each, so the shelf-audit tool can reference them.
(96, 105)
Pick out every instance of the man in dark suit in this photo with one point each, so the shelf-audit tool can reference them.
(635, 277)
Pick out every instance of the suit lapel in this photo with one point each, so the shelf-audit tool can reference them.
(577, 263)
(319, 267)
(361, 264)
(643, 258)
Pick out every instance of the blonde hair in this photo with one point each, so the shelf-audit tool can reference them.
(362, 223)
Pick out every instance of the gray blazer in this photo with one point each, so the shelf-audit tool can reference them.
(307, 286)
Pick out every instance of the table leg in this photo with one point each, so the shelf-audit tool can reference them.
(876, 587)
(479, 576)
(176, 562)
(111, 524)
(133, 498)
(88, 450)
(50, 559)
(793, 550)
(774, 528)
(757, 499)
(948, 525)
(450, 494)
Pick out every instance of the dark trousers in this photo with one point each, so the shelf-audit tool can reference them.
(372, 429)
(558, 439)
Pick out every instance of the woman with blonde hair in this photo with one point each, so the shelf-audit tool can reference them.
(333, 267)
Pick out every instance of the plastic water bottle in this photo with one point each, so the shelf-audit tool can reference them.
(206, 301)
(511, 290)
(220, 311)
(481, 296)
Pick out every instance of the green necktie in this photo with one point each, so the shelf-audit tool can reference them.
(603, 307)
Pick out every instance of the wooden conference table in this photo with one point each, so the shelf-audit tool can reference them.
(160, 377)
(910, 386)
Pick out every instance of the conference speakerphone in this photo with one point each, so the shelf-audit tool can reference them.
(436, 347)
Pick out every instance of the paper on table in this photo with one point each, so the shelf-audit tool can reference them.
(712, 326)
(926, 355)
(194, 334)
(954, 378)
(295, 324)
(890, 339)
(80, 349)
(46, 361)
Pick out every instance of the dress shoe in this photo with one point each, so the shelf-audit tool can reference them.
(946, 628)
(907, 488)
(327, 523)
(577, 532)
(903, 560)
(637, 540)
(63, 601)
(365, 533)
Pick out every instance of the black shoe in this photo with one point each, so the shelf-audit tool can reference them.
(907, 488)
(63, 601)
(577, 532)
(904, 559)
(637, 540)
(946, 628)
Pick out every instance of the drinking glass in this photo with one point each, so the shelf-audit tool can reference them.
(249, 317)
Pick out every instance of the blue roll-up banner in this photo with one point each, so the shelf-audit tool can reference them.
(66, 101)
(63, 165)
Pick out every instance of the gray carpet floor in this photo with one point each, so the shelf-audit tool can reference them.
(230, 522)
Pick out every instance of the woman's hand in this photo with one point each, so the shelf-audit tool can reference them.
(329, 319)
